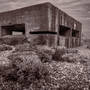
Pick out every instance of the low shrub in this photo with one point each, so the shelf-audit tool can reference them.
(57, 56)
(25, 47)
(45, 53)
(13, 40)
(25, 70)
(5, 47)
(70, 58)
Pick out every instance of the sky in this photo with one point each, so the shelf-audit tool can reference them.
(79, 9)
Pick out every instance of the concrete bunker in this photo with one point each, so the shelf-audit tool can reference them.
(14, 29)
(52, 27)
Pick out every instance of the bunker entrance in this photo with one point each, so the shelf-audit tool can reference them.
(75, 33)
(64, 34)
(64, 31)
(16, 29)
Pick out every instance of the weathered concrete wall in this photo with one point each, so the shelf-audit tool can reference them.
(35, 17)
(59, 17)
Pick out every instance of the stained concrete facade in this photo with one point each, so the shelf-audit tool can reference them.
(43, 22)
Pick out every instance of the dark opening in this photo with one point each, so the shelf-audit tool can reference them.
(43, 32)
(75, 33)
(13, 29)
(64, 31)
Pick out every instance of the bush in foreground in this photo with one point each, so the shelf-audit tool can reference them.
(59, 52)
(45, 53)
(5, 47)
(25, 70)
(13, 40)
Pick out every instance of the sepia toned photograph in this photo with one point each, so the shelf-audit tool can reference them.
(44, 44)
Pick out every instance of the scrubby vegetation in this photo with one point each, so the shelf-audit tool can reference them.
(36, 67)
(13, 40)
(24, 71)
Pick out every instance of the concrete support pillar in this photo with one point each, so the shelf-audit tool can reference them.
(70, 39)
(0, 31)
(80, 35)
(27, 31)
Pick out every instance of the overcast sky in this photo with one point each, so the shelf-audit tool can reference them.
(79, 9)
